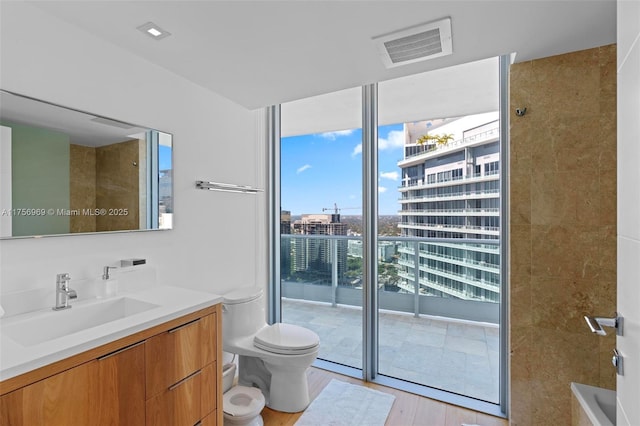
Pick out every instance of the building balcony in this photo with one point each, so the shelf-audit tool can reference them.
(454, 260)
(476, 178)
(450, 212)
(462, 195)
(432, 151)
(447, 341)
(461, 229)
(436, 351)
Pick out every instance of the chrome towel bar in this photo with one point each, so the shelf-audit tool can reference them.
(226, 187)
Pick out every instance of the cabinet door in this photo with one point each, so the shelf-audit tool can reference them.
(180, 405)
(61, 400)
(121, 388)
(178, 353)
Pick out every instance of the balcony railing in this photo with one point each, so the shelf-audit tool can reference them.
(451, 212)
(326, 272)
(492, 133)
(485, 193)
(477, 177)
(466, 229)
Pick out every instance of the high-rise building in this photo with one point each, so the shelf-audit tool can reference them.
(450, 189)
(317, 254)
(285, 243)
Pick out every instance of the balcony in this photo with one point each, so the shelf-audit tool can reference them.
(461, 195)
(462, 229)
(421, 184)
(435, 150)
(450, 212)
(451, 355)
(447, 342)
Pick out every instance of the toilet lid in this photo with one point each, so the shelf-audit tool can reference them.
(241, 401)
(286, 339)
(242, 295)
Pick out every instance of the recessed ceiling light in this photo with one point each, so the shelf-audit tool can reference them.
(154, 31)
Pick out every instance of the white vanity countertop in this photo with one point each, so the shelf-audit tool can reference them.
(172, 303)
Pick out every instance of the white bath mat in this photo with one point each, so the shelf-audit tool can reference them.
(342, 403)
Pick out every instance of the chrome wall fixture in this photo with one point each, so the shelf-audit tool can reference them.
(226, 187)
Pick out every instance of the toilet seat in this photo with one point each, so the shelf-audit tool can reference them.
(243, 401)
(286, 339)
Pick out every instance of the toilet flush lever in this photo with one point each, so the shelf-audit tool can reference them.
(596, 324)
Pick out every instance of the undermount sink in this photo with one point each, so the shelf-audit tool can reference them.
(55, 324)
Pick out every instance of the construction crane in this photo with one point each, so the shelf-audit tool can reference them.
(337, 210)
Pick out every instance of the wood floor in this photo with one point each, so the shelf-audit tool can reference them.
(407, 410)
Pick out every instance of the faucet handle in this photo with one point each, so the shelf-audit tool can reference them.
(105, 272)
(60, 278)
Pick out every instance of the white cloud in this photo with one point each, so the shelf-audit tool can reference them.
(390, 175)
(382, 189)
(303, 168)
(394, 139)
(334, 135)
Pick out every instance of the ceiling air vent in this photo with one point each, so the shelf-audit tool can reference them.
(414, 44)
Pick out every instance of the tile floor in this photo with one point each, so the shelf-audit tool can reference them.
(452, 355)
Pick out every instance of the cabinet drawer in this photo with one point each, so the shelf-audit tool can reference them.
(210, 420)
(178, 353)
(186, 402)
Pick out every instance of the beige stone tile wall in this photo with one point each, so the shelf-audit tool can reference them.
(118, 185)
(562, 230)
(82, 187)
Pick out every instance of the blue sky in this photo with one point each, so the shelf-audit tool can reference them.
(322, 169)
(164, 157)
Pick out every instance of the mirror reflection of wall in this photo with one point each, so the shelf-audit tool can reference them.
(77, 173)
(107, 177)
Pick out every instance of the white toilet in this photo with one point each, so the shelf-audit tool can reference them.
(241, 404)
(275, 357)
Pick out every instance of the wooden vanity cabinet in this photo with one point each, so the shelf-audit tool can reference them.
(181, 373)
(166, 375)
(60, 400)
(121, 392)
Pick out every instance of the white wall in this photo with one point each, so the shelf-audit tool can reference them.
(217, 236)
(628, 385)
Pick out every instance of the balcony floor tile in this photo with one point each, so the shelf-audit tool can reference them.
(455, 356)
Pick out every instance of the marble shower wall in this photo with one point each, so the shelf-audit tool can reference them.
(118, 181)
(563, 229)
(82, 178)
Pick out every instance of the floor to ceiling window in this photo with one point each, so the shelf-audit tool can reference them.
(321, 221)
(421, 310)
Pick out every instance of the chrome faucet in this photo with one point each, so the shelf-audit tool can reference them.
(63, 292)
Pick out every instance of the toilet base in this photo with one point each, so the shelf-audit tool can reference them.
(230, 421)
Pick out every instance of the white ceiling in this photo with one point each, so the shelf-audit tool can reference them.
(81, 127)
(259, 53)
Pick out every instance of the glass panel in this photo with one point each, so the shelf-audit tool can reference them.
(321, 223)
(439, 218)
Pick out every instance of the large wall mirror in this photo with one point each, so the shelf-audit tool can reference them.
(66, 172)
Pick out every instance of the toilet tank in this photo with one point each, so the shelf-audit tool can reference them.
(243, 312)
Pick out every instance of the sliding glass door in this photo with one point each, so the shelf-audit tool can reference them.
(439, 228)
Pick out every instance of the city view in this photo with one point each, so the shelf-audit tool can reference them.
(438, 247)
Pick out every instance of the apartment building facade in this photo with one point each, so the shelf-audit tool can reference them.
(319, 254)
(451, 191)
